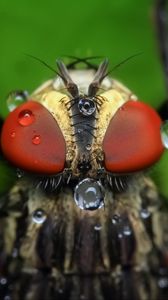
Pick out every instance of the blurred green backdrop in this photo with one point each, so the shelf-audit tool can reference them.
(50, 29)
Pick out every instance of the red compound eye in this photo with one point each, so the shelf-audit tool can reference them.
(32, 140)
(132, 141)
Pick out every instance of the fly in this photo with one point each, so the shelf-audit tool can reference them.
(84, 220)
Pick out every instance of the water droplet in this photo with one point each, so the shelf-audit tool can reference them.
(89, 194)
(127, 230)
(3, 281)
(164, 134)
(97, 227)
(7, 297)
(145, 213)
(86, 106)
(39, 216)
(115, 219)
(80, 130)
(122, 108)
(36, 140)
(19, 173)
(15, 252)
(120, 235)
(15, 99)
(26, 117)
(163, 282)
(13, 134)
(88, 147)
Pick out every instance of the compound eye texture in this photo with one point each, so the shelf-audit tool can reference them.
(32, 139)
(132, 141)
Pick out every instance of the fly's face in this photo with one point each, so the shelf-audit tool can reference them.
(83, 129)
(83, 120)
(84, 222)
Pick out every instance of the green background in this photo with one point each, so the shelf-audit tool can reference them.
(51, 29)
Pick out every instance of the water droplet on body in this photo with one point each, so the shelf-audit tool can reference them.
(26, 117)
(39, 216)
(79, 130)
(19, 173)
(15, 252)
(88, 147)
(7, 297)
(3, 281)
(97, 227)
(163, 282)
(127, 230)
(144, 213)
(164, 134)
(89, 194)
(15, 99)
(115, 219)
(86, 106)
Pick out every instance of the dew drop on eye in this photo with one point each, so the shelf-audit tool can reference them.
(36, 140)
(26, 117)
